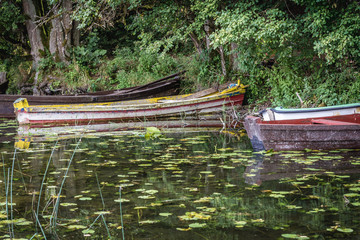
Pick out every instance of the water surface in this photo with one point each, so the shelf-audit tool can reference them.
(197, 184)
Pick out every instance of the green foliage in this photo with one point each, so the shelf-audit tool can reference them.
(89, 55)
(281, 85)
(201, 72)
(17, 74)
(129, 68)
(76, 76)
(10, 34)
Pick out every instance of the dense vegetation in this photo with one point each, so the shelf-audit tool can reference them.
(286, 50)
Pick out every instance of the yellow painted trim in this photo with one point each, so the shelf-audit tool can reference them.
(21, 103)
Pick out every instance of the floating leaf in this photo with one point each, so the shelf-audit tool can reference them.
(240, 224)
(165, 214)
(293, 236)
(184, 229)
(152, 132)
(197, 225)
(102, 212)
(345, 230)
(76, 227)
(227, 167)
(68, 204)
(146, 197)
(122, 200)
(194, 216)
(140, 207)
(276, 195)
(88, 231)
(230, 185)
(149, 221)
(151, 191)
(293, 207)
(85, 198)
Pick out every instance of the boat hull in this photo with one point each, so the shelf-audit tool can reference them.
(273, 114)
(304, 133)
(162, 87)
(91, 113)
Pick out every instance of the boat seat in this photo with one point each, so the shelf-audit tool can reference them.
(331, 122)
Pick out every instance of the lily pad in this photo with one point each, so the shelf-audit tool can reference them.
(345, 230)
(197, 225)
(293, 236)
(76, 227)
(85, 198)
(165, 214)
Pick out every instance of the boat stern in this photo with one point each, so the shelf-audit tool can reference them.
(253, 130)
(20, 105)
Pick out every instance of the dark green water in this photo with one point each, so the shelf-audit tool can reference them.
(181, 185)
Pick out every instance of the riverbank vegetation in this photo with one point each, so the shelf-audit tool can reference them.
(290, 52)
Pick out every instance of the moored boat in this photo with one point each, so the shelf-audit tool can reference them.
(280, 113)
(138, 110)
(163, 87)
(298, 134)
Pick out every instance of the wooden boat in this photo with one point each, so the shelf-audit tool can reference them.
(311, 133)
(163, 87)
(210, 101)
(280, 113)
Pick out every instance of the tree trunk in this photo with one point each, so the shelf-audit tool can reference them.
(61, 32)
(76, 35)
(222, 57)
(234, 56)
(207, 34)
(35, 39)
(196, 42)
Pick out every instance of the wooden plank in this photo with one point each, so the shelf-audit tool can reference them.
(331, 122)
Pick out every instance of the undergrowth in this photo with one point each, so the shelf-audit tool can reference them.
(280, 85)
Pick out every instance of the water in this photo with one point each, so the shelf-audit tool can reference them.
(180, 185)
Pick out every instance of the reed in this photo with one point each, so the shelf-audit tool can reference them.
(7, 200)
(38, 222)
(121, 217)
(53, 217)
(11, 196)
(5, 183)
(45, 174)
(33, 236)
(6, 188)
(101, 196)
(103, 203)
(92, 224)
(107, 229)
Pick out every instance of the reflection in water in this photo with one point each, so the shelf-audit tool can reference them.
(252, 173)
(187, 185)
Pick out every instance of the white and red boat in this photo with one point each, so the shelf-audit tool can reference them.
(205, 102)
(279, 113)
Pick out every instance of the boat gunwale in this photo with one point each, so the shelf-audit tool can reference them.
(318, 109)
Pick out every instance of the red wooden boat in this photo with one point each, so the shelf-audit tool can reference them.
(312, 133)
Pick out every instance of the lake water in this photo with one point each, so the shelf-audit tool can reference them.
(179, 184)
